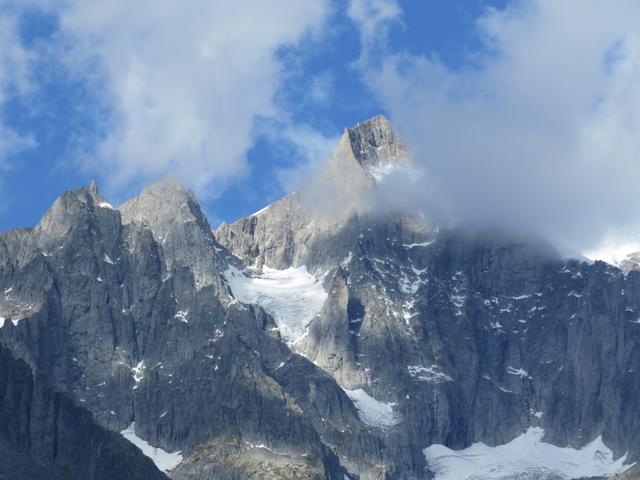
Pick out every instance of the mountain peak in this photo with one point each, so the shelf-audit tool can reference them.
(167, 199)
(173, 215)
(171, 189)
(376, 146)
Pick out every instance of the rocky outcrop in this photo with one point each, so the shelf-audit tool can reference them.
(43, 435)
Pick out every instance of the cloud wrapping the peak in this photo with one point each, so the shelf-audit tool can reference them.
(179, 84)
(539, 132)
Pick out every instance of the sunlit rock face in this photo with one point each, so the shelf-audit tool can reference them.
(321, 338)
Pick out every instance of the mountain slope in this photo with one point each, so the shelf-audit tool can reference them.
(320, 339)
(43, 435)
(128, 313)
(471, 336)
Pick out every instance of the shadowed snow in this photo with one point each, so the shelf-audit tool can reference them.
(371, 411)
(165, 461)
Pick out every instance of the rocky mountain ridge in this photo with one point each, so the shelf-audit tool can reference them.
(320, 339)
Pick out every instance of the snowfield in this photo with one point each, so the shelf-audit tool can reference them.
(292, 296)
(524, 457)
(165, 461)
(373, 412)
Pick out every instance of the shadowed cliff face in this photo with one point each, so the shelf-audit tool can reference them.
(427, 335)
(43, 435)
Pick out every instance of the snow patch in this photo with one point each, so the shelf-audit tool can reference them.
(108, 260)
(526, 456)
(292, 296)
(421, 244)
(106, 205)
(428, 374)
(164, 460)
(182, 316)
(518, 372)
(262, 210)
(346, 260)
(137, 372)
(373, 412)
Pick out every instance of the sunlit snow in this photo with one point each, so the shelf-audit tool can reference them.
(525, 457)
(261, 211)
(292, 296)
(371, 411)
(164, 460)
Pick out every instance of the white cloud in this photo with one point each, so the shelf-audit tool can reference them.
(311, 150)
(304, 147)
(180, 83)
(322, 88)
(616, 245)
(15, 60)
(372, 17)
(542, 133)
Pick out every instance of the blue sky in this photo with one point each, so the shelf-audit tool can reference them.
(58, 112)
(522, 114)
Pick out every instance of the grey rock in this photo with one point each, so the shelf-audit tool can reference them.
(123, 313)
(43, 435)
(474, 336)
(469, 336)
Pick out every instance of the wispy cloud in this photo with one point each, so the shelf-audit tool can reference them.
(15, 61)
(15, 80)
(177, 85)
(540, 132)
(373, 18)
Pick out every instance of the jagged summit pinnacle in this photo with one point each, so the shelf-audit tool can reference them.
(376, 146)
(366, 153)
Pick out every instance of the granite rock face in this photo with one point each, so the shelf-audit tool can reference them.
(472, 336)
(427, 335)
(128, 314)
(43, 435)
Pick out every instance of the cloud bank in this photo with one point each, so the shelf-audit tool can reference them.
(539, 132)
(178, 85)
